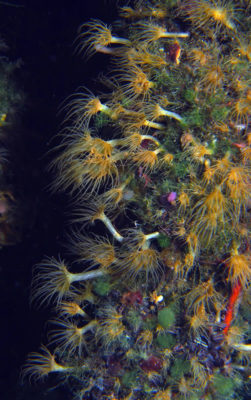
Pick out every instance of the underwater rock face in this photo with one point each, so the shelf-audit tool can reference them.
(157, 167)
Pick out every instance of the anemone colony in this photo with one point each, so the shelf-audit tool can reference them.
(156, 303)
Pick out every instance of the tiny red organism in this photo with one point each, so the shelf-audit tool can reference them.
(174, 51)
(132, 298)
(145, 144)
(231, 303)
(152, 363)
(239, 145)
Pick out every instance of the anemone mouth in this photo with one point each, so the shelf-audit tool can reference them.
(208, 14)
(138, 262)
(51, 282)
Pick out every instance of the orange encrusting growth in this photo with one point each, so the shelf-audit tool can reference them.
(236, 291)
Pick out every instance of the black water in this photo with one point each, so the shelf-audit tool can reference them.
(40, 34)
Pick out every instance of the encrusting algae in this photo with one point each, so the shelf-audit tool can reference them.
(157, 302)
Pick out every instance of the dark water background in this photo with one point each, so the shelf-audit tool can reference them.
(41, 34)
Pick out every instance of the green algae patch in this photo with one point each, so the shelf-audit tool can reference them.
(223, 385)
(129, 379)
(102, 286)
(179, 368)
(166, 317)
(166, 341)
